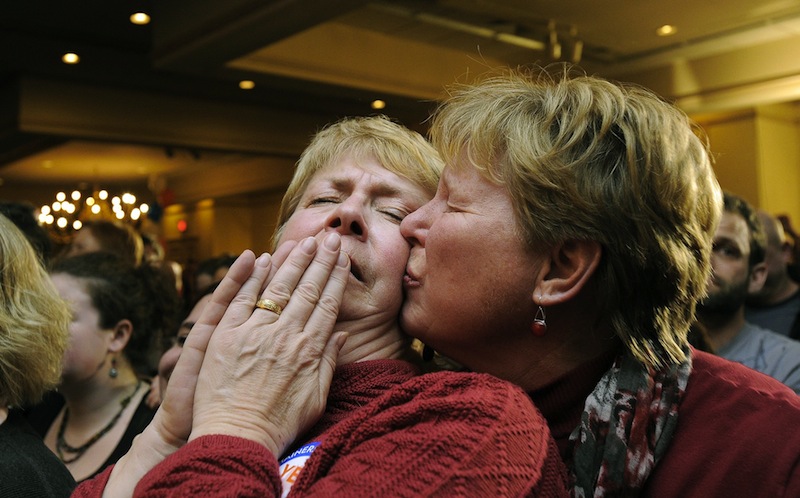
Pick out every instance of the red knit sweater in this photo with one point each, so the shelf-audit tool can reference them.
(385, 432)
(738, 430)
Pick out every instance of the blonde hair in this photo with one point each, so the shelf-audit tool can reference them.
(587, 159)
(398, 149)
(34, 322)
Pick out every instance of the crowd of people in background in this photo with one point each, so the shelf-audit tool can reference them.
(91, 333)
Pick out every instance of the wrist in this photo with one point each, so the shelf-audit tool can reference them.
(236, 428)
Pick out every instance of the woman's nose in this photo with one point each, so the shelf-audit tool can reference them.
(414, 226)
(348, 219)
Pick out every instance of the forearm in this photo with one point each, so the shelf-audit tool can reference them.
(214, 465)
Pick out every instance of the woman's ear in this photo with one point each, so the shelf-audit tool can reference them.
(566, 270)
(121, 334)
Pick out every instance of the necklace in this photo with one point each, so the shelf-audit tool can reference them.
(61, 444)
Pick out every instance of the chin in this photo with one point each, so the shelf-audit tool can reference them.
(410, 325)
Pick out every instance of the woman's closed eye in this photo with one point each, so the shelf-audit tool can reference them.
(323, 200)
(394, 214)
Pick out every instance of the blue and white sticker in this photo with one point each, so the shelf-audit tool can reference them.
(291, 466)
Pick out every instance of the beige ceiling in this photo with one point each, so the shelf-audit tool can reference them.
(161, 102)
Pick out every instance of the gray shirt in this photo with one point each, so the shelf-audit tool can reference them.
(767, 352)
(778, 318)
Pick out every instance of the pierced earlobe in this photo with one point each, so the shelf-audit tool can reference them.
(113, 372)
(539, 325)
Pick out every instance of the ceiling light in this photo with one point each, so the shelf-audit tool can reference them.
(70, 58)
(378, 104)
(247, 84)
(666, 30)
(64, 216)
(140, 18)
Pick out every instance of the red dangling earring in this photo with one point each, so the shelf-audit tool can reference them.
(539, 325)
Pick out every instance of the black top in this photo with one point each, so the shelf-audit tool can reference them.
(41, 417)
(27, 467)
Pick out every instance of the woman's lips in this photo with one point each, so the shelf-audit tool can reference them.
(409, 281)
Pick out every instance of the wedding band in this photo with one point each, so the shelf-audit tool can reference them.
(269, 305)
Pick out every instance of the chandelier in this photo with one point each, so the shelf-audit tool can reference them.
(67, 214)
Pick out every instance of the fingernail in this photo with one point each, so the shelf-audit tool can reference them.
(332, 241)
(309, 245)
(343, 259)
(263, 259)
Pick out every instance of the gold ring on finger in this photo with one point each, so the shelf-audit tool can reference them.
(269, 305)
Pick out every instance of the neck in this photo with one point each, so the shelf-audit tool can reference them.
(371, 339)
(783, 291)
(3, 413)
(721, 328)
(556, 356)
(531, 361)
(89, 398)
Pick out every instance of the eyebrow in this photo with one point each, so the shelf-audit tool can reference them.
(380, 189)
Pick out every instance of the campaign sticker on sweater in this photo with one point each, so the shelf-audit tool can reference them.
(291, 466)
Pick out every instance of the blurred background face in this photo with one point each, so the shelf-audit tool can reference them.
(84, 242)
(170, 357)
(88, 342)
(727, 288)
(365, 203)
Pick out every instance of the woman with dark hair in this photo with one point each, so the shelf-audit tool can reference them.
(118, 313)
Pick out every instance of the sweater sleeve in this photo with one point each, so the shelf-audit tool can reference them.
(215, 465)
(94, 487)
(441, 434)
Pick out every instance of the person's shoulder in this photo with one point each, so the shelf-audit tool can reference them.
(728, 382)
(483, 393)
(742, 421)
(774, 338)
(468, 382)
(27, 466)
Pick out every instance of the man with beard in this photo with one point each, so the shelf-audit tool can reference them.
(738, 269)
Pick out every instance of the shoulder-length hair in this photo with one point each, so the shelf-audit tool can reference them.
(34, 322)
(583, 158)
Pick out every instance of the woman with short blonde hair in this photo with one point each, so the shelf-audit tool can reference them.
(33, 337)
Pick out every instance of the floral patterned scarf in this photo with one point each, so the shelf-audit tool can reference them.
(626, 427)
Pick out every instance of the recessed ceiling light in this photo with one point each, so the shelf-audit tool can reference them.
(247, 84)
(70, 58)
(666, 30)
(140, 18)
(378, 104)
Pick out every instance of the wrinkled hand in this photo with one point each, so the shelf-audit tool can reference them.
(246, 276)
(172, 424)
(266, 376)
